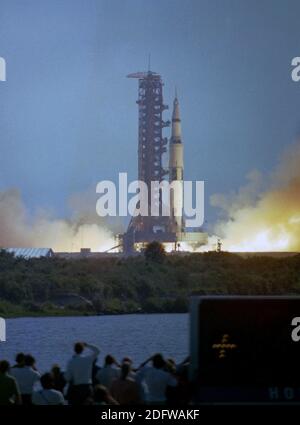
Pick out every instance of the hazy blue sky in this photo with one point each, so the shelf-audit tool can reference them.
(68, 116)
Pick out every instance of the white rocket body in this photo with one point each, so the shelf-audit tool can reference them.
(176, 171)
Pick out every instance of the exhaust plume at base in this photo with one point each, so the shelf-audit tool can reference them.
(83, 229)
(257, 219)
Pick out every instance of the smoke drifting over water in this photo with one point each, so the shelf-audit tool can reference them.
(264, 220)
(83, 229)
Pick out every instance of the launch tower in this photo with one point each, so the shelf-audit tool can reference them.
(151, 147)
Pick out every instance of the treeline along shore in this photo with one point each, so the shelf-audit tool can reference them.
(141, 284)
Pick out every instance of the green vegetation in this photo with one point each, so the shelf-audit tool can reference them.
(155, 252)
(137, 284)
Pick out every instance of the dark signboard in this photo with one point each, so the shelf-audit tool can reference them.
(245, 349)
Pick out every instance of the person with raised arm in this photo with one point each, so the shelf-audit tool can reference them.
(79, 373)
(155, 380)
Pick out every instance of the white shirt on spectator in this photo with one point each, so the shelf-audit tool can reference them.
(107, 375)
(155, 382)
(79, 369)
(47, 397)
(26, 377)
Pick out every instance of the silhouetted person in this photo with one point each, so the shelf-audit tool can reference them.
(132, 373)
(155, 380)
(95, 370)
(26, 378)
(124, 389)
(79, 373)
(102, 396)
(9, 391)
(47, 396)
(109, 372)
(182, 394)
(59, 381)
(20, 360)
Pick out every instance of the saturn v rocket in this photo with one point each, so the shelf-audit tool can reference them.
(176, 170)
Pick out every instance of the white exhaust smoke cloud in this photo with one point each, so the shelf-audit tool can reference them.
(83, 230)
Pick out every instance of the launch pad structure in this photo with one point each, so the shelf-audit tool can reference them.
(152, 145)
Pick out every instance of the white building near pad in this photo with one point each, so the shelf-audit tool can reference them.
(28, 253)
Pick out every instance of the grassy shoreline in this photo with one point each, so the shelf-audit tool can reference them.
(57, 287)
(76, 314)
